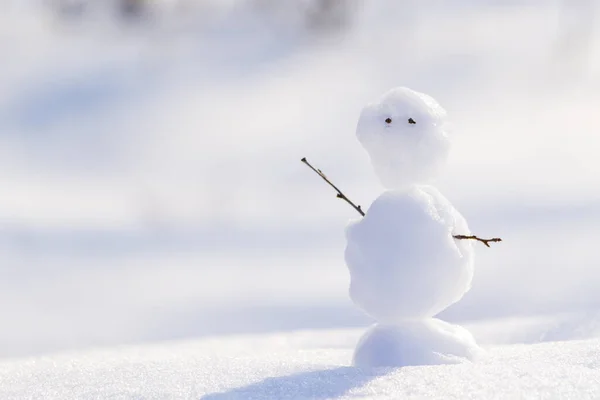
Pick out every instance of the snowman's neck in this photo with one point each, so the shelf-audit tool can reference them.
(409, 188)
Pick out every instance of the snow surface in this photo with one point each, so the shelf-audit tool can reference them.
(300, 365)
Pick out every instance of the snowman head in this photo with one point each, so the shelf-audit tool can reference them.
(404, 134)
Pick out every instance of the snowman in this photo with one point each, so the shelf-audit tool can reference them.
(410, 257)
(407, 257)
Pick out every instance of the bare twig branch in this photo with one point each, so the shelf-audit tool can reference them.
(473, 237)
(340, 195)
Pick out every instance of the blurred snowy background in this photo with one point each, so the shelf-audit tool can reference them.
(150, 161)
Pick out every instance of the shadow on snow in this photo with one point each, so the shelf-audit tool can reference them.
(323, 384)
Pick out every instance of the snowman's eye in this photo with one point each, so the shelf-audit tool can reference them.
(388, 121)
(411, 121)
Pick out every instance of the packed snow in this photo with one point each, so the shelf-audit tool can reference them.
(405, 135)
(403, 261)
(428, 341)
(406, 266)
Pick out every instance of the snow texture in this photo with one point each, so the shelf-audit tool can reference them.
(301, 365)
(404, 134)
(419, 342)
(403, 261)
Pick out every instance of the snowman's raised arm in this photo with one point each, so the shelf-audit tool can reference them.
(341, 195)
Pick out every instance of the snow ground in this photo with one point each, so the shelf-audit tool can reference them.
(300, 365)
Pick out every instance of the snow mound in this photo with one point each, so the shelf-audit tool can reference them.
(395, 274)
(299, 365)
(421, 342)
(404, 134)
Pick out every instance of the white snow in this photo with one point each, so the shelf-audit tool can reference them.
(415, 342)
(404, 134)
(151, 190)
(300, 365)
(403, 261)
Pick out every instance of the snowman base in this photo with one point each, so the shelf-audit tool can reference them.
(417, 342)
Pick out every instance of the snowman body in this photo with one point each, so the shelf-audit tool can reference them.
(403, 261)
(405, 264)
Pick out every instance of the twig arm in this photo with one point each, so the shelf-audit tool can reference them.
(339, 195)
(342, 196)
(473, 237)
